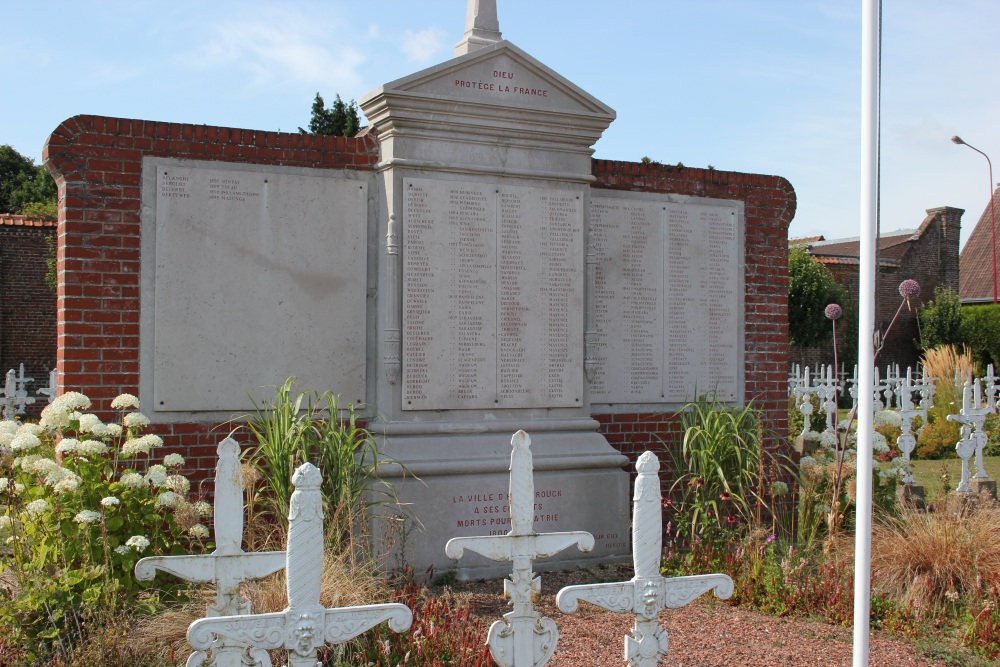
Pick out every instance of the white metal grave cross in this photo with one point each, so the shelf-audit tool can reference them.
(803, 398)
(305, 625)
(973, 437)
(50, 391)
(906, 442)
(828, 394)
(228, 566)
(15, 394)
(991, 388)
(648, 593)
(524, 638)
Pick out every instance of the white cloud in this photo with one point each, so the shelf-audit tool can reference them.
(423, 45)
(281, 47)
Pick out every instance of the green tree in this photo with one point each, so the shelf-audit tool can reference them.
(341, 119)
(25, 188)
(940, 320)
(811, 288)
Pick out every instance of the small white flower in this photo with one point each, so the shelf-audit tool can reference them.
(123, 549)
(91, 424)
(24, 442)
(843, 423)
(9, 426)
(135, 446)
(133, 480)
(203, 509)
(36, 507)
(827, 439)
(5, 440)
(807, 461)
(54, 416)
(72, 400)
(156, 478)
(112, 430)
(55, 473)
(124, 402)
(87, 516)
(178, 483)
(811, 436)
(173, 460)
(18, 487)
(138, 542)
(110, 501)
(27, 463)
(198, 531)
(152, 440)
(6, 523)
(4, 483)
(167, 499)
(135, 420)
(44, 467)
(67, 445)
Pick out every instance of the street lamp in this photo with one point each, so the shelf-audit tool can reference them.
(993, 220)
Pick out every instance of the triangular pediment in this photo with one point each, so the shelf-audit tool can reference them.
(500, 74)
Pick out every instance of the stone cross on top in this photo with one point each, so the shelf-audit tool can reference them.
(524, 638)
(226, 567)
(482, 27)
(305, 625)
(648, 593)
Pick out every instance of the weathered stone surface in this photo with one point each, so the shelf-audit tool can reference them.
(241, 294)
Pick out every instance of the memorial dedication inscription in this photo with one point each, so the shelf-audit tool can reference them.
(492, 296)
(667, 295)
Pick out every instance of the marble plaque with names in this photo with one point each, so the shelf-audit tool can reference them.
(492, 296)
(667, 297)
(257, 271)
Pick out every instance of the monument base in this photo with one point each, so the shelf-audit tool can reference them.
(984, 485)
(912, 496)
(458, 486)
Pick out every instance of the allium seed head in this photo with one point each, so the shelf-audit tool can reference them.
(909, 289)
(833, 311)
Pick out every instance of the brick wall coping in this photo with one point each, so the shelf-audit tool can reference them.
(9, 220)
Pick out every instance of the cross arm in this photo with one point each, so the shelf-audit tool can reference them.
(214, 567)
(616, 597)
(345, 623)
(262, 631)
(679, 591)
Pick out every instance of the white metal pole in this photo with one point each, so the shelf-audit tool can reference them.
(866, 327)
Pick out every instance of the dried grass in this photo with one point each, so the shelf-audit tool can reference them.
(921, 558)
(946, 363)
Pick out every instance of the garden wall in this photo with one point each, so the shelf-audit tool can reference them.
(97, 163)
(27, 303)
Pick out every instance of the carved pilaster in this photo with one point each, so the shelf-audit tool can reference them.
(590, 330)
(393, 342)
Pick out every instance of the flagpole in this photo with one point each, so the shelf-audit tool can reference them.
(866, 327)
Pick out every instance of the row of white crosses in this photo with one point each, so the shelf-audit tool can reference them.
(14, 395)
(231, 636)
(525, 638)
(972, 418)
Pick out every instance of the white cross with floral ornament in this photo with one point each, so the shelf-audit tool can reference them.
(648, 593)
(305, 625)
(227, 567)
(524, 638)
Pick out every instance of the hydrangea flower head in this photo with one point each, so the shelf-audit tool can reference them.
(124, 402)
(173, 460)
(199, 531)
(135, 420)
(87, 516)
(138, 542)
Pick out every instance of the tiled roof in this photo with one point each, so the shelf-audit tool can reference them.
(891, 245)
(975, 262)
(10, 220)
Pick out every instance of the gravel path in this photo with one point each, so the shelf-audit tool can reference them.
(706, 633)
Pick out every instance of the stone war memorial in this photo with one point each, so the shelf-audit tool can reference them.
(462, 269)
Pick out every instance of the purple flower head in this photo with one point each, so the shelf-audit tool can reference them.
(833, 311)
(909, 289)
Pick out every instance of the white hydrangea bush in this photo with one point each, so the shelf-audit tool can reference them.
(82, 500)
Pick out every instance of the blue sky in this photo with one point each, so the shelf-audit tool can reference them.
(764, 86)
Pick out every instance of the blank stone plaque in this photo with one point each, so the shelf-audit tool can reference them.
(492, 296)
(667, 299)
(260, 275)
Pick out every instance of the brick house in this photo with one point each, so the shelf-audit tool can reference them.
(977, 257)
(927, 254)
(27, 303)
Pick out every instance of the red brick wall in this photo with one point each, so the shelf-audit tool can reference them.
(97, 164)
(27, 304)
(769, 208)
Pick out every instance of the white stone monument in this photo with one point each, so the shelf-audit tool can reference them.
(524, 638)
(226, 567)
(973, 440)
(305, 625)
(648, 593)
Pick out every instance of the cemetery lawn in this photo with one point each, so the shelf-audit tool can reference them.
(928, 473)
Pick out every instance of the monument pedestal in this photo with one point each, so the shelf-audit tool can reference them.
(459, 482)
(912, 495)
(984, 485)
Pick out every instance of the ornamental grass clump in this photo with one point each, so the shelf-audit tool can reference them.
(948, 367)
(81, 502)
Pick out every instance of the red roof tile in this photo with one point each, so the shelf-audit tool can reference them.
(9, 220)
(975, 262)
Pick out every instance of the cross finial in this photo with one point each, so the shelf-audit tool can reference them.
(482, 27)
